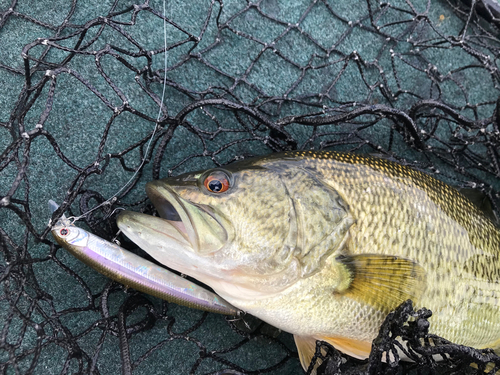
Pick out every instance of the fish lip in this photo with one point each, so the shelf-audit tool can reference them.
(158, 238)
(164, 199)
(126, 218)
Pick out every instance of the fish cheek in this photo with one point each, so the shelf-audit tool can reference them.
(260, 256)
(259, 212)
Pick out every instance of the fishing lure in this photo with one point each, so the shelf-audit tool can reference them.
(133, 271)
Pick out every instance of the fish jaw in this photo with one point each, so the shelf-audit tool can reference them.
(169, 246)
(204, 231)
(159, 238)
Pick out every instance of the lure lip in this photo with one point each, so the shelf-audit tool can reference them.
(53, 206)
(62, 222)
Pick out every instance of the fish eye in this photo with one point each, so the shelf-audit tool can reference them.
(64, 232)
(217, 182)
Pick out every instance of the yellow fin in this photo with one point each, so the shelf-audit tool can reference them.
(355, 348)
(306, 346)
(382, 281)
(487, 369)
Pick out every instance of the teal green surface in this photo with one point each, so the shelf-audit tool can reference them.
(78, 120)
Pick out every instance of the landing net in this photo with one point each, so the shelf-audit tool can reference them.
(80, 93)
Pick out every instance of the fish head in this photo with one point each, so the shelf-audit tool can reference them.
(239, 229)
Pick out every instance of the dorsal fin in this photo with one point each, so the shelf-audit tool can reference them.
(481, 201)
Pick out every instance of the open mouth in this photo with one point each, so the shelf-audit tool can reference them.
(184, 230)
(171, 209)
(196, 223)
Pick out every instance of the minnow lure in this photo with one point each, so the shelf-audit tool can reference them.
(133, 271)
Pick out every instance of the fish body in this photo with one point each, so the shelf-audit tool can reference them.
(324, 245)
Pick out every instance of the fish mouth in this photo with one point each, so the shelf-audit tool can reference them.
(173, 210)
(158, 237)
(183, 226)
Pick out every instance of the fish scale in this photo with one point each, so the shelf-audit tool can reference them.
(454, 246)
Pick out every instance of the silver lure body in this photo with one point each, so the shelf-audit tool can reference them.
(131, 270)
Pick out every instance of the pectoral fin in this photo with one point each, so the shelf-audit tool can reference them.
(381, 281)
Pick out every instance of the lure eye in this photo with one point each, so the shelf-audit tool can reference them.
(217, 182)
(64, 232)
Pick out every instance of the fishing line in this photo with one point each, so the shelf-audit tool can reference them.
(113, 198)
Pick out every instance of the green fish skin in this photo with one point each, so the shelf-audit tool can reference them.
(324, 244)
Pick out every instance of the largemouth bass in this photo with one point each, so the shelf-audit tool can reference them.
(324, 245)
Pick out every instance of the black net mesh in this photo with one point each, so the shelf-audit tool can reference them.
(406, 331)
(80, 92)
